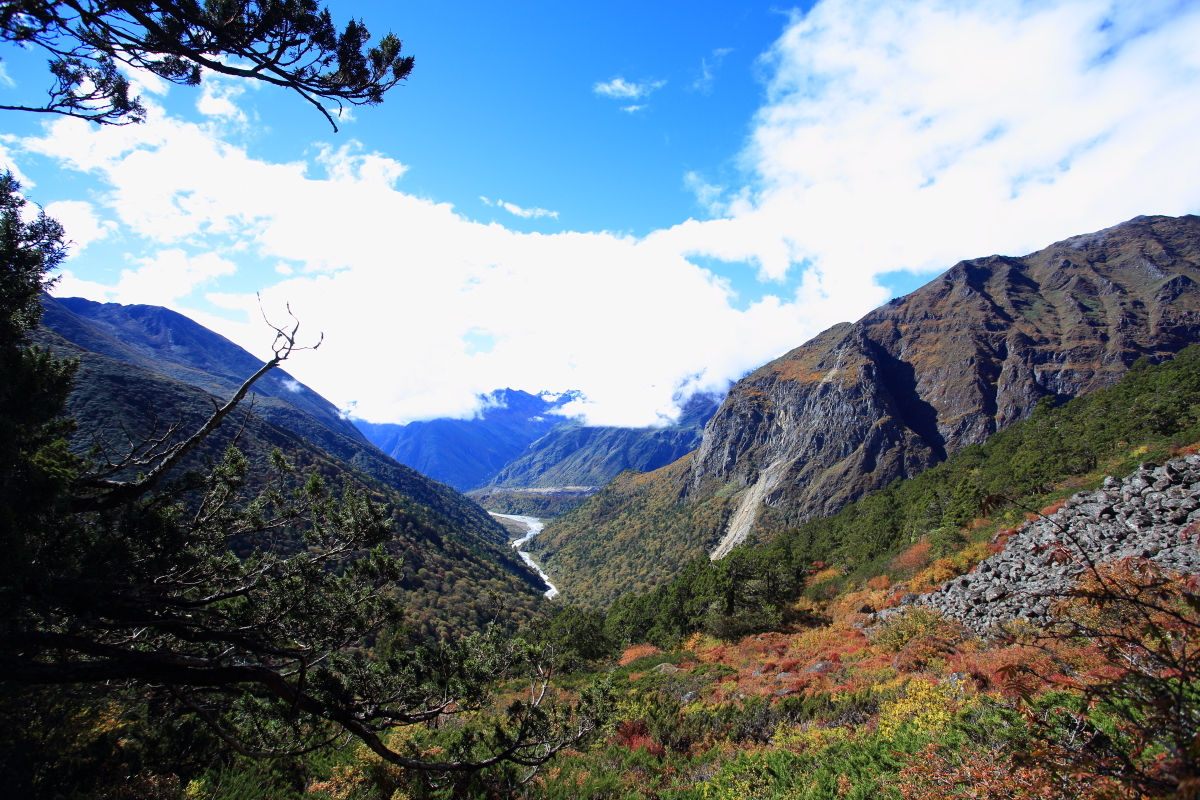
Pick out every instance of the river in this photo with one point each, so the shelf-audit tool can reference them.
(534, 525)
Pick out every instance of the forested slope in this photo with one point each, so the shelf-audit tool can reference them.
(453, 564)
(907, 527)
(161, 341)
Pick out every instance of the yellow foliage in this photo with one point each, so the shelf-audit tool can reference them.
(809, 737)
(927, 707)
(912, 622)
(827, 574)
(942, 570)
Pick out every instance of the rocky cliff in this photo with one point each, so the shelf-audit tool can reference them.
(946, 366)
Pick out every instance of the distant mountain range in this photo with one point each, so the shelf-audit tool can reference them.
(521, 441)
(466, 453)
(574, 454)
(886, 397)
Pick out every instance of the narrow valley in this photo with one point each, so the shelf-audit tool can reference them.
(531, 526)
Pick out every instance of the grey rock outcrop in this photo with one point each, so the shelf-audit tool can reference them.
(1149, 514)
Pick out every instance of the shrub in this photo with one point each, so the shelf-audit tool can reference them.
(910, 623)
(982, 772)
(926, 707)
(1138, 720)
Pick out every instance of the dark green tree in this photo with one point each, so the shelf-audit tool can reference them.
(122, 575)
(287, 43)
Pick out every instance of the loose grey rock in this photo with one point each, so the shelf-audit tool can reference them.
(1147, 515)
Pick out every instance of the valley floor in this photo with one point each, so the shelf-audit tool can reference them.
(528, 528)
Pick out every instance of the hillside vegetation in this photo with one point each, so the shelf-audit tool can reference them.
(459, 572)
(637, 512)
(931, 516)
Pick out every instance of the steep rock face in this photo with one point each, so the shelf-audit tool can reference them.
(946, 366)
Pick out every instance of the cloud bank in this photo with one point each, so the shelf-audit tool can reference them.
(893, 136)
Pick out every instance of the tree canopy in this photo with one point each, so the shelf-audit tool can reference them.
(287, 43)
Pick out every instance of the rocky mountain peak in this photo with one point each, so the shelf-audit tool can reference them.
(948, 365)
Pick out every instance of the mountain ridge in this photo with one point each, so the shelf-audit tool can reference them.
(865, 403)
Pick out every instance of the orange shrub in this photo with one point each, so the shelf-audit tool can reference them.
(637, 651)
(879, 583)
(912, 560)
(1052, 509)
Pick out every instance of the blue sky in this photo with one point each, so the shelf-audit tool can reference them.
(633, 200)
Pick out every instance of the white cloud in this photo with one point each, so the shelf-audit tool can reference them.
(9, 162)
(512, 208)
(161, 280)
(170, 275)
(632, 109)
(526, 212)
(216, 99)
(621, 89)
(912, 135)
(398, 297)
(78, 217)
(894, 136)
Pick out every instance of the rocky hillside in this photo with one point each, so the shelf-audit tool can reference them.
(918, 379)
(948, 365)
(1146, 515)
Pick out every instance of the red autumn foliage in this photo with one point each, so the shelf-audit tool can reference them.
(920, 653)
(1141, 664)
(635, 734)
(983, 773)
(912, 560)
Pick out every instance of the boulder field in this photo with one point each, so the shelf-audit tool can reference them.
(1152, 513)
